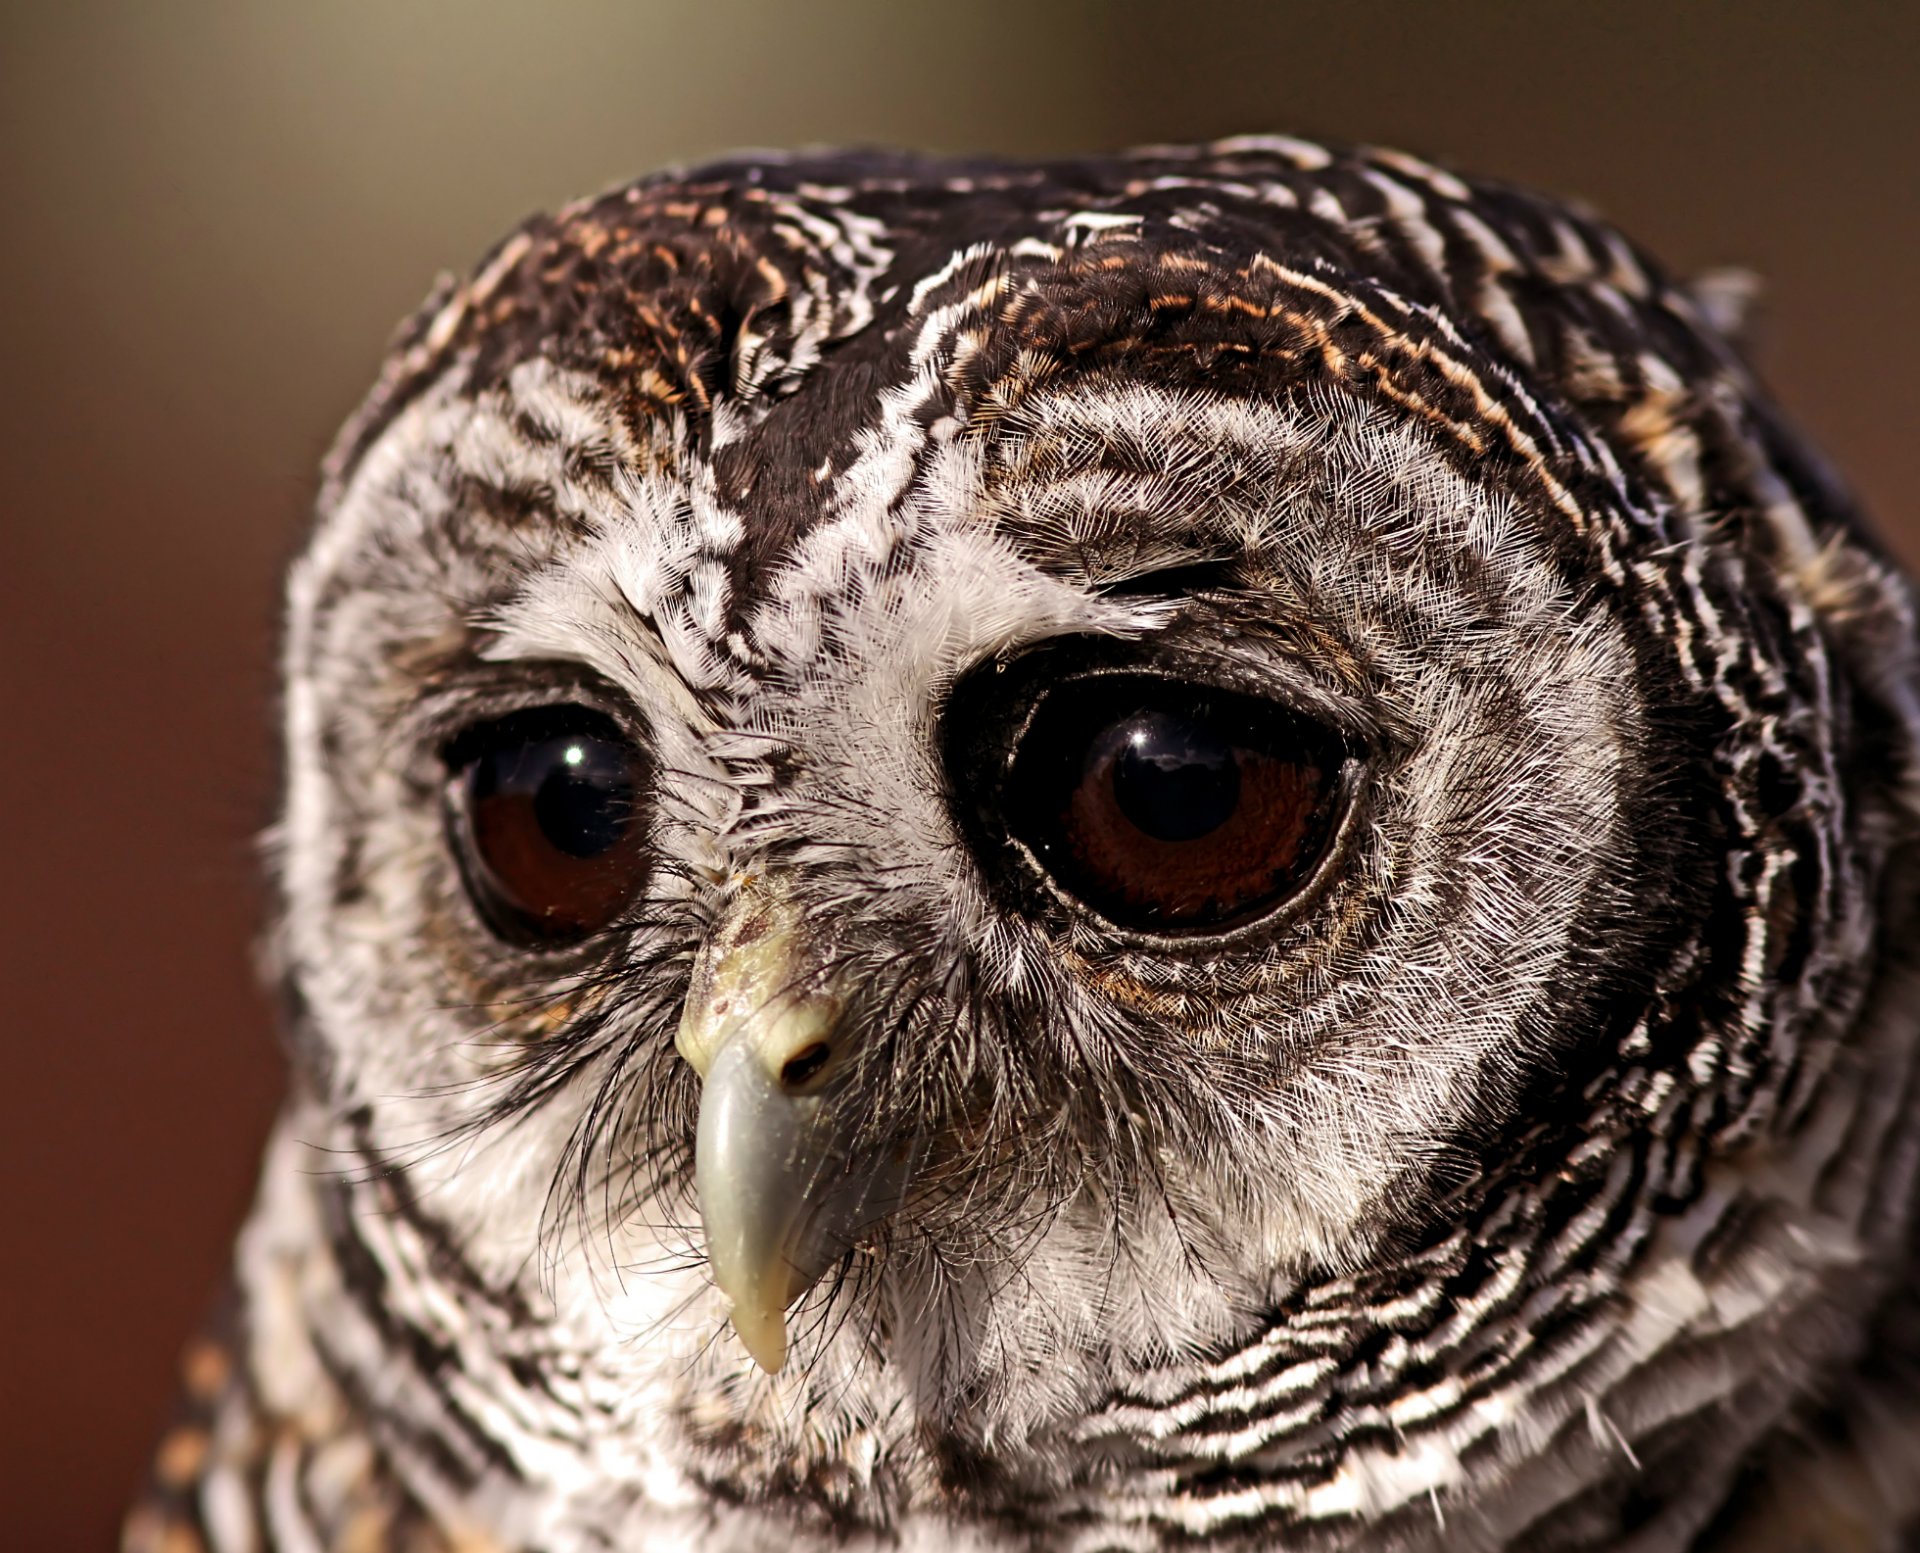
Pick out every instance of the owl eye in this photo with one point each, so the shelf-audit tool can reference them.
(544, 807)
(1173, 808)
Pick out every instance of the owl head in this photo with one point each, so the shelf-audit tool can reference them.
(956, 828)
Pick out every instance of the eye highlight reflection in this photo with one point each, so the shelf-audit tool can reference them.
(545, 813)
(1170, 807)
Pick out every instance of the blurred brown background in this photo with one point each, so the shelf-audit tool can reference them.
(213, 215)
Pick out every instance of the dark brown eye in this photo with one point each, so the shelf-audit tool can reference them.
(1170, 807)
(545, 810)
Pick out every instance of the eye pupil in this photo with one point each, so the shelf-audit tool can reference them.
(1174, 779)
(585, 799)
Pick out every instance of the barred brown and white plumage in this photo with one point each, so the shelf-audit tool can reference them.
(1240, 813)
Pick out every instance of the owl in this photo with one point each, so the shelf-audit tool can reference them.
(1212, 848)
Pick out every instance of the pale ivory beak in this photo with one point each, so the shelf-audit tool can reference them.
(782, 1194)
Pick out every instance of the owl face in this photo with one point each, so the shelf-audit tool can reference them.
(961, 783)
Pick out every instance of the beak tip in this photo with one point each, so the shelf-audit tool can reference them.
(764, 1337)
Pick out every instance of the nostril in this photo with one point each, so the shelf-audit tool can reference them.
(806, 1065)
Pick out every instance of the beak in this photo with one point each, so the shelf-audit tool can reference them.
(785, 1185)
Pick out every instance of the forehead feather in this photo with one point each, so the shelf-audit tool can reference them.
(755, 328)
(734, 284)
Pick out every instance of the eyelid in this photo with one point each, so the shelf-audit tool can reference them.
(1219, 633)
(1354, 722)
(483, 693)
(1200, 574)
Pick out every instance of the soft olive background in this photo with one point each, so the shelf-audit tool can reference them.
(213, 214)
